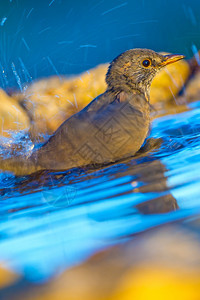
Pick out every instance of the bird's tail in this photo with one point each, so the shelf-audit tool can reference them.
(18, 165)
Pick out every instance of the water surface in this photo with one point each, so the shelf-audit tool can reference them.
(55, 220)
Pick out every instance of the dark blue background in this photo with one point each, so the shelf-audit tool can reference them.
(40, 38)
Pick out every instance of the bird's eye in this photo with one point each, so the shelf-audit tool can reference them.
(146, 63)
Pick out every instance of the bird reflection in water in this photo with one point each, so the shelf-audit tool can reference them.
(145, 174)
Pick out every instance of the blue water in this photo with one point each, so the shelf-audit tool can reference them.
(58, 220)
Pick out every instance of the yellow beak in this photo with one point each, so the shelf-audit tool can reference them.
(171, 58)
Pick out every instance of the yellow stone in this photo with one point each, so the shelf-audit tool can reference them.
(12, 115)
(169, 81)
(7, 277)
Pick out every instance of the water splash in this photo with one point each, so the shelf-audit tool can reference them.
(3, 21)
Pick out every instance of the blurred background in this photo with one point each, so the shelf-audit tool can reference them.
(42, 38)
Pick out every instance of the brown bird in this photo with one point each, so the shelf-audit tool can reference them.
(113, 126)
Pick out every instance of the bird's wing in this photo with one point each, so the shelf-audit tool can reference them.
(100, 129)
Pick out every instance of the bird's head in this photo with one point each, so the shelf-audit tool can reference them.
(136, 68)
